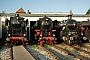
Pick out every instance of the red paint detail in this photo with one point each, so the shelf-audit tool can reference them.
(26, 42)
(82, 28)
(53, 30)
(49, 33)
(41, 42)
(45, 38)
(50, 42)
(48, 38)
(16, 38)
(51, 39)
(38, 31)
(55, 42)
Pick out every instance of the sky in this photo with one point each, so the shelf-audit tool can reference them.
(77, 6)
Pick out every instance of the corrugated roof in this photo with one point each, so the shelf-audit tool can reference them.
(21, 10)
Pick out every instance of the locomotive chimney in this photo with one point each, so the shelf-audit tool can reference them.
(71, 12)
(28, 12)
(69, 16)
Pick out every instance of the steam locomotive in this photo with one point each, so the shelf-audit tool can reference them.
(85, 31)
(70, 33)
(16, 30)
(44, 32)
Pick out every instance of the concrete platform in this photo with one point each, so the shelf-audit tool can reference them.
(20, 53)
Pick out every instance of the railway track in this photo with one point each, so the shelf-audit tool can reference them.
(55, 57)
(86, 45)
(42, 53)
(54, 52)
(81, 48)
(76, 51)
(64, 55)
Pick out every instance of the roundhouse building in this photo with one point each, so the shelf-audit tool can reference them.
(34, 16)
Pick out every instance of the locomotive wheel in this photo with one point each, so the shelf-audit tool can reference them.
(47, 41)
(15, 43)
(50, 42)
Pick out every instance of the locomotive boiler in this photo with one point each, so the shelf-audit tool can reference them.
(85, 31)
(16, 30)
(70, 34)
(44, 32)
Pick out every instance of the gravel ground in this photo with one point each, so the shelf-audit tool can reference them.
(40, 53)
(74, 51)
(88, 50)
(87, 44)
(5, 53)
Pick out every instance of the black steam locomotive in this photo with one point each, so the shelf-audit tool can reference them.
(16, 30)
(44, 32)
(70, 33)
(85, 31)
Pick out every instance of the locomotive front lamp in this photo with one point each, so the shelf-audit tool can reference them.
(7, 39)
(71, 38)
(40, 34)
(40, 38)
(17, 18)
(46, 19)
(74, 24)
(81, 33)
(84, 38)
(74, 33)
(8, 34)
(63, 28)
(69, 34)
(55, 39)
(6, 26)
(25, 39)
(64, 38)
(53, 34)
(24, 34)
